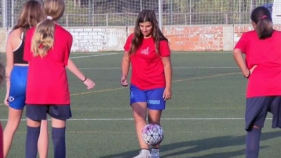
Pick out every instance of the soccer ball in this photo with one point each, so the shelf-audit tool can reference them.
(152, 134)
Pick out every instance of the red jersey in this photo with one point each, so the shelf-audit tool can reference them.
(266, 54)
(147, 66)
(47, 78)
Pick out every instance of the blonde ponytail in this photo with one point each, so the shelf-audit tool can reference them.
(43, 38)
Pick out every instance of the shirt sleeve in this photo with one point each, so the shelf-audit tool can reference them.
(164, 49)
(242, 44)
(68, 49)
(27, 46)
(128, 43)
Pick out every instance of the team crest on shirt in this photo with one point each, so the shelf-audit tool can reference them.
(145, 51)
(11, 99)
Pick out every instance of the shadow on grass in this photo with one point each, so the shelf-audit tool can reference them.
(182, 149)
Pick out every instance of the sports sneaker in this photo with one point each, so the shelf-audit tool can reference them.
(144, 153)
(154, 153)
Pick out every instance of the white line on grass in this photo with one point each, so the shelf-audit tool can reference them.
(95, 55)
(130, 119)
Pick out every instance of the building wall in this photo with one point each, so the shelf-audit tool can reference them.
(181, 38)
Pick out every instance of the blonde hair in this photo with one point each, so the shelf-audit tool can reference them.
(43, 38)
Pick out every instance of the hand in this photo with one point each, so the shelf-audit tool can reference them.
(167, 94)
(253, 68)
(89, 83)
(6, 102)
(123, 81)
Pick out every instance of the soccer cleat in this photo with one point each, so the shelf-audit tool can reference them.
(144, 153)
(154, 153)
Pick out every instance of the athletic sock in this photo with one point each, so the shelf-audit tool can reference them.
(32, 136)
(253, 143)
(58, 136)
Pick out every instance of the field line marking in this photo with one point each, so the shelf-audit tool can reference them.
(94, 55)
(181, 80)
(104, 90)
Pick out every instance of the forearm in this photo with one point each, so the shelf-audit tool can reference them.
(125, 66)
(8, 71)
(168, 76)
(237, 54)
(73, 68)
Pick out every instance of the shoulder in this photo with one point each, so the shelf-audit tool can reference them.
(277, 32)
(131, 36)
(15, 34)
(62, 31)
(250, 33)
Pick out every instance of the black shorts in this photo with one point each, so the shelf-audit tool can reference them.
(257, 108)
(39, 112)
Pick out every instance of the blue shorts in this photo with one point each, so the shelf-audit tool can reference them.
(39, 112)
(17, 93)
(257, 108)
(153, 98)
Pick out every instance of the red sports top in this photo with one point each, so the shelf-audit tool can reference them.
(266, 54)
(47, 79)
(147, 66)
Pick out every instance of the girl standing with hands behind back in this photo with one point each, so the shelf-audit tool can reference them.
(47, 50)
(148, 51)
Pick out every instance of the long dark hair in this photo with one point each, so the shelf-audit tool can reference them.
(157, 35)
(31, 14)
(262, 18)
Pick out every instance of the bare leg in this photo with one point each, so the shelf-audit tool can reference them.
(43, 141)
(139, 112)
(10, 129)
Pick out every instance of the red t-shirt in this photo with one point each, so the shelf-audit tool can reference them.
(47, 79)
(147, 66)
(266, 54)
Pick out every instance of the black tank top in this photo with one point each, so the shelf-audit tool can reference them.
(18, 53)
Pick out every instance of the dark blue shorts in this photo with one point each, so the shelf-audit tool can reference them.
(17, 93)
(153, 98)
(39, 112)
(257, 108)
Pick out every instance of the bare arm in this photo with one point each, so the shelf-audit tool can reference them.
(168, 77)
(74, 69)
(9, 66)
(125, 65)
(238, 57)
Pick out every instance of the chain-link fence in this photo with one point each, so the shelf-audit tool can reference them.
(124, 12)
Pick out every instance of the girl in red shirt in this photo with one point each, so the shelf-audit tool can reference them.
(148, 51)
(262, 68)
(47, 50)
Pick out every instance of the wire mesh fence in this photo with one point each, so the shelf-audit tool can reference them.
(124, 12)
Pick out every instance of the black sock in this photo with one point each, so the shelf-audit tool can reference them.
(58, 136)
(253, 143)
(32, 136)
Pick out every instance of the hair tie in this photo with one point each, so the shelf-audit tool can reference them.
(49, 17)
(263, 17)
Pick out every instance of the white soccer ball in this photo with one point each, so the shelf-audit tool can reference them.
(152, 134)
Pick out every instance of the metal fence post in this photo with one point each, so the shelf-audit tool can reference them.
(4, 13)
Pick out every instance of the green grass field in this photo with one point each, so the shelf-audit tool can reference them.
(204, 119)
